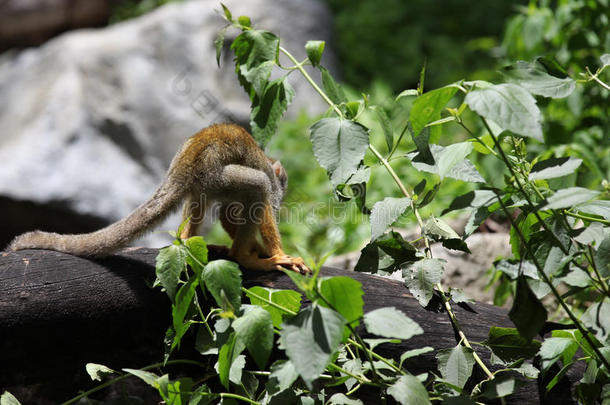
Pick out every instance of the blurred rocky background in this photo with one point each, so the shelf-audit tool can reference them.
(90, 119)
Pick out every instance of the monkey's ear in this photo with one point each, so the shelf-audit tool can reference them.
(280, 172)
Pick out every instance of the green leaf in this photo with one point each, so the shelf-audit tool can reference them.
(255, 329)
(8, 399)
(569, 197)
(314, 51)
(413, 353)
(283, 374)
(456, 364)
(288, 299)
(98, 371)
(451, 156)
(602, 257)
(391, 323)
(227, 355)
(180, 308)
(199, 249)
(552, 348)
(510, 106)
(501, 386)
(268, 108)
(219, 42)
(387, 253)
(332, 89)
(462, 170)
(253, 48)
(509, 345)
(146, 376)
(515, 268)
(408, 390)
(345, 296)
(386, 126)
(244, 21)
(223, 280)
(597, 207)
(438, 229)
(169, 265)
(527, 313)
(421, 277)
(339, 146)
(311, 338)
(427, 107)
(226, 12)
(407, 93)
(385, 213)
(554, 167)
(536, 80)
(596, 318)
(342, 399)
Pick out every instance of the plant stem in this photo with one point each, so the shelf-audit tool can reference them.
(586, 218)
(124, 376)
(241, 398)
(377, 356)
(556, 294)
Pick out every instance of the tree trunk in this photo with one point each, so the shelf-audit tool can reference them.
(59, 312)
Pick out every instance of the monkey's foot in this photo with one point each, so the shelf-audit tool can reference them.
(275, 262)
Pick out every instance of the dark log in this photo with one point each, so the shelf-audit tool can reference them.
(59, 312)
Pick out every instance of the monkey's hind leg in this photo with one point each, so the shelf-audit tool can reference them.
(193, 210)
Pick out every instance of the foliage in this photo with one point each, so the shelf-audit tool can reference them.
(560, 238)
(133, 8)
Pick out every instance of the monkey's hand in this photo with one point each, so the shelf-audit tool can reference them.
(276, 262)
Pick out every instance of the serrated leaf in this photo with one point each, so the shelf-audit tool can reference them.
(501, 386)
(527, 313)
(387, 253)
(311, 338)
(342, 399)
(552, 348)
(332, 89)
(283, 374)
(421, 277)
(596, 318)
(223, 279)
(451, 156)
(268, 108)
(569, 197)
(169, 265)
(288, 299)
(537, 81)
(456, 364)
(597, 207)
(386, 126)
(509, 345)
(438, 229)
(255, 329)
(463, 170)
(385, 213)
(255, 54)
(391, 323)
(427, 107)
(98, 371)
(554, 167)
(339, 146)
(199, 250)
(510, 106)
(408, 390)
(344, 294)
(314, 51)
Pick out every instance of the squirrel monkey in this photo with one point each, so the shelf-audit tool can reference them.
(220, 163)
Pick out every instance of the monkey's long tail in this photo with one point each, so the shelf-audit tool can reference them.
(119, 234)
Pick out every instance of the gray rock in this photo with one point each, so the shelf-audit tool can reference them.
(90, 120)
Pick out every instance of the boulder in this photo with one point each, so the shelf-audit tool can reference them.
(91, 119)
